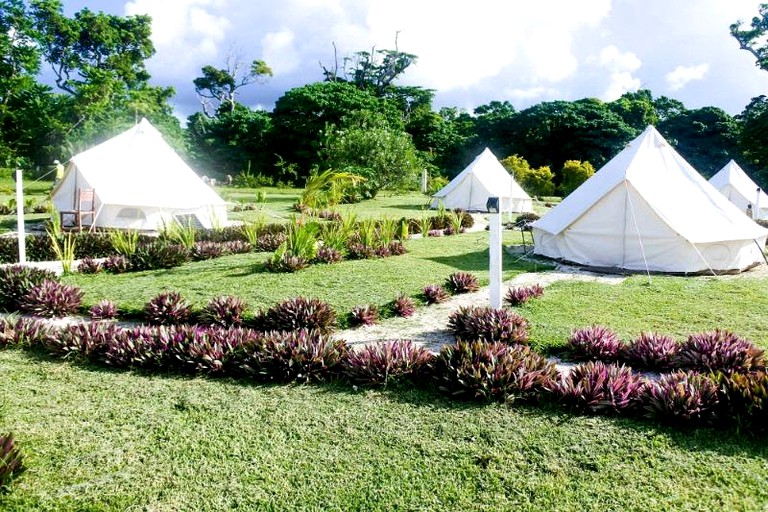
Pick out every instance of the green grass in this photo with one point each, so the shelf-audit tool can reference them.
(672, 305)
(343, 285)
(107, 440)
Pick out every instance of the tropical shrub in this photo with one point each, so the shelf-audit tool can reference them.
(17, 280)
(167, 308)
(269, 242)
(237, 247)
(719, 350)
(364, 314)
(206, 251)
(298, 313)
(298, 355)
(328, 255)
(396, 248)
(25, 332)
(744, 400)
(83, 341)
(224, 311)
(140, 347)
(159, 254)
(283, 261)
(462, 282)
(403, 306)
(485, 323)
(681, 398)
(596, 387)
(207, 350)
(435, 294)
(380, 364)
(522, 294)
(103, 310)
(596, 343)
(11, 460)
(492, 371)
(117, 264)
(360, 251)
(52, 299)
(89, 266)
(652, 351)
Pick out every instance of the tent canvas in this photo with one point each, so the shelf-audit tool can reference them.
(739, 188)
(140, 183)
(483, 178)
(648, 210)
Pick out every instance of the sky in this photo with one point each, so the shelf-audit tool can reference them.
(470, 53)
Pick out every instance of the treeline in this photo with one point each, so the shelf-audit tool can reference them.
(357, 120)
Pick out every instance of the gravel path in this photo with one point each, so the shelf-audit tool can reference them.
(428, 325)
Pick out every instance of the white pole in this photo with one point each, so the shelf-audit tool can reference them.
(494, 248)
(20, 217)
(756, 209)
(424, 181)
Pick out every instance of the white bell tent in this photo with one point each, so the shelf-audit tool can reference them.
(483, 178)
(739, 188)
(139, 183)
(648, 210)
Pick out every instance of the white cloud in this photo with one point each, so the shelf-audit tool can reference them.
(683, 75)
(183, 31)
(530, 93)
(280, 52)
(621, 66)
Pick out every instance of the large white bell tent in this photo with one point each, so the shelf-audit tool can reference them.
(483, 178)
(648, 210)
(739, 188)
(139, 183)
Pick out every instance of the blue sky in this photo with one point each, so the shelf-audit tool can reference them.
(470, 52)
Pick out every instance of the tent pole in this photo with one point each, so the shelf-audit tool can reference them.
(761, 251)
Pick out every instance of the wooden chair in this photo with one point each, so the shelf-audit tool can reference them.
(85, 206)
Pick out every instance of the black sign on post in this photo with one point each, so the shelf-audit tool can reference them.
(492, 205)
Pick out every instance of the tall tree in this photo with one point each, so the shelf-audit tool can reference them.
(375, 70)
(301, 115)
(753, 39)
(706, 137)
(99, 59)
(752, 142)
(221, 86)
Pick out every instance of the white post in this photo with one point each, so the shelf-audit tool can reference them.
(20, 217)
(424, 181)
(756, 209)
(494, 248)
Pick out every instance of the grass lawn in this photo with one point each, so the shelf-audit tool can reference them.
(108, 440)
(97, 439)
(343, 285)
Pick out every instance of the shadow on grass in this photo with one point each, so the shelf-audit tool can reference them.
(478, 261)
(416, 207)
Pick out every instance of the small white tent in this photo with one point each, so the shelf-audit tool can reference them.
(140, 183)
(483, 178)
(739, 188)
(648, 210)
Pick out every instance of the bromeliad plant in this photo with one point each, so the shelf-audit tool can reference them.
(683, 398)
(522, 294)
(167, 308)
(52, 299)
(493, 371)
(462, 282)
(364, 314)
(403, 306)
(719, 351)
(105, 309)
(11, 460)
(488, 324)
(434, 294)
(388, 362)
(596, 343)
(596, 387)
(652, 351)
(17, 280)
(224, 311)
(297, 313)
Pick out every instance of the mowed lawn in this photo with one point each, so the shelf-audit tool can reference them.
(99, 439)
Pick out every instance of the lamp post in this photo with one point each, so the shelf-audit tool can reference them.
(20, 217)
(493, 205)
